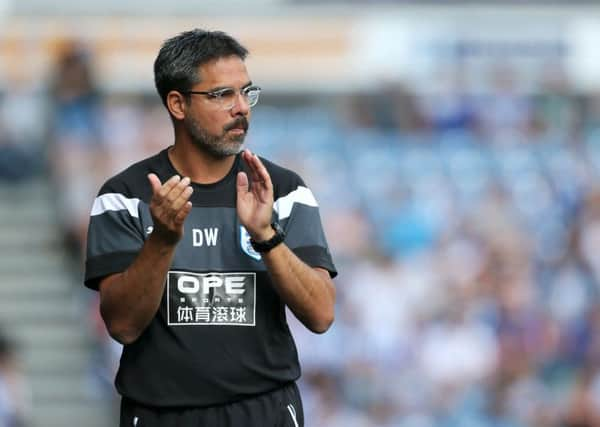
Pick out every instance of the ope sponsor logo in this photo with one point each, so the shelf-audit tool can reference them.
(211, 298)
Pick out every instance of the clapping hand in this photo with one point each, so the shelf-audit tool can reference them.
(169, 207)
(255, 201)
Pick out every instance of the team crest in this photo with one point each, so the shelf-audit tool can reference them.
(246, 245)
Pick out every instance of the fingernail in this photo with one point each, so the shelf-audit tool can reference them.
(185, 180)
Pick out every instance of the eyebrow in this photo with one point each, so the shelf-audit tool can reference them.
(218, 88)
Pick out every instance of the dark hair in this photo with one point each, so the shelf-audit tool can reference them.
(176, 66)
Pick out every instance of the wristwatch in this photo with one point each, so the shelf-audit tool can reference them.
(267, 245)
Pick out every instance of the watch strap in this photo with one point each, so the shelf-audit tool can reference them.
(267, 245)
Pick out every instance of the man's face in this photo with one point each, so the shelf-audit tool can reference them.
(214, 129)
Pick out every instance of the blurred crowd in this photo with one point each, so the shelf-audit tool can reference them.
(465, 225)
(15, 398)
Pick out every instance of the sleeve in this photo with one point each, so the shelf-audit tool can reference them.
(298, 213)
(115, 235)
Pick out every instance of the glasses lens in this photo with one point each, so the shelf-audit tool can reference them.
(226, 98)
(252, 96)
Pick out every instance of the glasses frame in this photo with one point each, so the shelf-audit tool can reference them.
(217, 95)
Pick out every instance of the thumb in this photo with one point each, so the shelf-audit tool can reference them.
(242, 183)
(154, 182)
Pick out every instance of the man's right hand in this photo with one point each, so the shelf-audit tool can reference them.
(129, 300)
(169, 207)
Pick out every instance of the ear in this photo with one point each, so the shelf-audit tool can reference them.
(176, 104)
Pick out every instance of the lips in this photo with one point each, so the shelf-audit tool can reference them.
(238, 126)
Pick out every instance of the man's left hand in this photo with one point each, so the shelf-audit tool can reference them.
(255, 201)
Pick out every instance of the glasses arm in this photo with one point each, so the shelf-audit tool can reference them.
(197, 92)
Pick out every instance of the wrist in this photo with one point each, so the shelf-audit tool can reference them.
(263, 235)
(163, 240)
(273, 238)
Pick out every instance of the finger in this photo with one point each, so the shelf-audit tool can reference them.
(248, 159)
(255, 171)
(154, 183)
(183, 213)
(182, 199)
(261, 171)
(242, 183)
(177, 190)
(168, 186)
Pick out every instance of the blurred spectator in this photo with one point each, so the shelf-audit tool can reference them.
(77, 154)
(449, 105)
(390, 106)
(14, 394)
(589, 232)
(504, 113)
(21, 129)
(132, 126)
(582, 406)
(554, 109)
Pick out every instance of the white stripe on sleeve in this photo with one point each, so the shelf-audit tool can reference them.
(115, 202)
(283, 206)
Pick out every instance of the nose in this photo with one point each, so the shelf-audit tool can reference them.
(241, 105)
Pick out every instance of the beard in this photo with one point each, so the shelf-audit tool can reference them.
(217, 146)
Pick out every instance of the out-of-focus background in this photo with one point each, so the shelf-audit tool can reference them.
(455, 152)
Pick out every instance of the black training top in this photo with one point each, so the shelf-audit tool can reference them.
(220, 333)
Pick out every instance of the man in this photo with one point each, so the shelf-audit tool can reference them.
(196, 252)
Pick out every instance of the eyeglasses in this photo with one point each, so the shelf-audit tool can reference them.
(226, 98)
